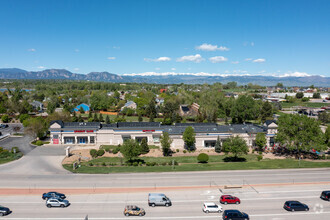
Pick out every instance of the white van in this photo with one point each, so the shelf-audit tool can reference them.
(158, 199)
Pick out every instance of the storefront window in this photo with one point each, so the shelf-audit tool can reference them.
(92, 140)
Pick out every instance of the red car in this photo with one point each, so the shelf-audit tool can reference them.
(228, 199)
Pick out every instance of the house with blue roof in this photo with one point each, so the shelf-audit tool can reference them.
(83, 106)
(129, 104)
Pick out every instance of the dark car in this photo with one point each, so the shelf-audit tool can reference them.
(3, 126)
(295, 206)
(53, 195)
(234, 214)
(228, 199)
(4, 211)
(325, 195)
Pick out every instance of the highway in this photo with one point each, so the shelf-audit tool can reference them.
(103, 196)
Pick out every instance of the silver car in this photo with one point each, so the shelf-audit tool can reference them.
(57, 202)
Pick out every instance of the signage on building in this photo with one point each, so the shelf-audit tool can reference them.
(55, 141)
(83, 131)
(148, 130)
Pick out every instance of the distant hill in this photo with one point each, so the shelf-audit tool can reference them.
(14, 73)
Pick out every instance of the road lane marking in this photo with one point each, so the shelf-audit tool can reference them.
(171, 217)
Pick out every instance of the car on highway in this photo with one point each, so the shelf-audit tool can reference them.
(4, 211)
(134, 210)
(211, 207)
(53, 195)
(228, 199)
(234, 214)
(325, 195)
(57, 202)
(295, 206)
(158, 199)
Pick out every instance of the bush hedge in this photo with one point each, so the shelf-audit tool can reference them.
(203, 158)
(93, 153)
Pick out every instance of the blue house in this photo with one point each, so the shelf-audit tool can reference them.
(84, 106)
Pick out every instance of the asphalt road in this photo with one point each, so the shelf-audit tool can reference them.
(265, 204)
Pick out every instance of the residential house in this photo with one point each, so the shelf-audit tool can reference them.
(36, 105)
(129, 104)
(84, 106)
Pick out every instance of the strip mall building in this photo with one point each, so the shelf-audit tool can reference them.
(95, 133)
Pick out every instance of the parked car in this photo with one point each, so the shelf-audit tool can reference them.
(211, 207)
(4, 211)
(57, 202)
(234, 214)
(158, 199)
(3, 126)
(228, 199)
(325, 195)
(295, 206)
(53, 195)
(134, 210)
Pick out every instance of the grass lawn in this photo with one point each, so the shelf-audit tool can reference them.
(189, 163)
(10, 157)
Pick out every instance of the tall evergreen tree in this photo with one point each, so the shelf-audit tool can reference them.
(107, 120)
(95, 119)
(218, 145)
(101, 118)
(144, 146)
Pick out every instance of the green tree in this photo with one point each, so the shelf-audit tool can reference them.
(80, 119)
(189, 138)
(324, 117)
(300, 133)
(280, 85)
(166, 142)
(81, 110)
(101, 119)
(144, 146)
(218, 146)
(90, 114)
(23, 117)
(236, 146)
(130, 149)
(327, 136)
(151, 109)
(140, 119)
(261, 141)
(107, 120)
(245, 108)
(95, 118)
(36, 127)
(299, 95)
(266, 111)
(5, 118)
(316, 95)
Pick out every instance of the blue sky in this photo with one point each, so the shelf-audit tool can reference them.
(277, 37)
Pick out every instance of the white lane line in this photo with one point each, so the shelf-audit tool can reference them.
(173, 201)
(171, 217)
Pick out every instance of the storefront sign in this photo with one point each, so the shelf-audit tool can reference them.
(148, 130)
(83, 131)
(55, 141)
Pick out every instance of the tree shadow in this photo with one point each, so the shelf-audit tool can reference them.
(234, 159)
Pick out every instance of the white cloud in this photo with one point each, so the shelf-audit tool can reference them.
(234, 62)
(76, 69)
(32, 50)
(173, 69)
(218, 59)
(295, 74)
(159, 59)
(260, 60)
(191, 58)
(210, 47)
(41, 67)
(77, 50)
(111, 58)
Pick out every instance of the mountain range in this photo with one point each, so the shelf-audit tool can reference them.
(15, 73)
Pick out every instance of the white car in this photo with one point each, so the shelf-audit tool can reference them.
(211, 207)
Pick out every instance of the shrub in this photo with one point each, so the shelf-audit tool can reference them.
(100, 153)
(16, 149)
(140, 163)
(107, 148)
(5, 119)
(116, 150)
(176, 163)
(184, 151)
(259, 157)
(4, 153)
(93, 153)
(1, 149)
(90, 164)
(164, 163)
(203, 158)
(153, 164)
(104, 164)
(177, 150)
(39, 143)
(148, 164)
(135, 164)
